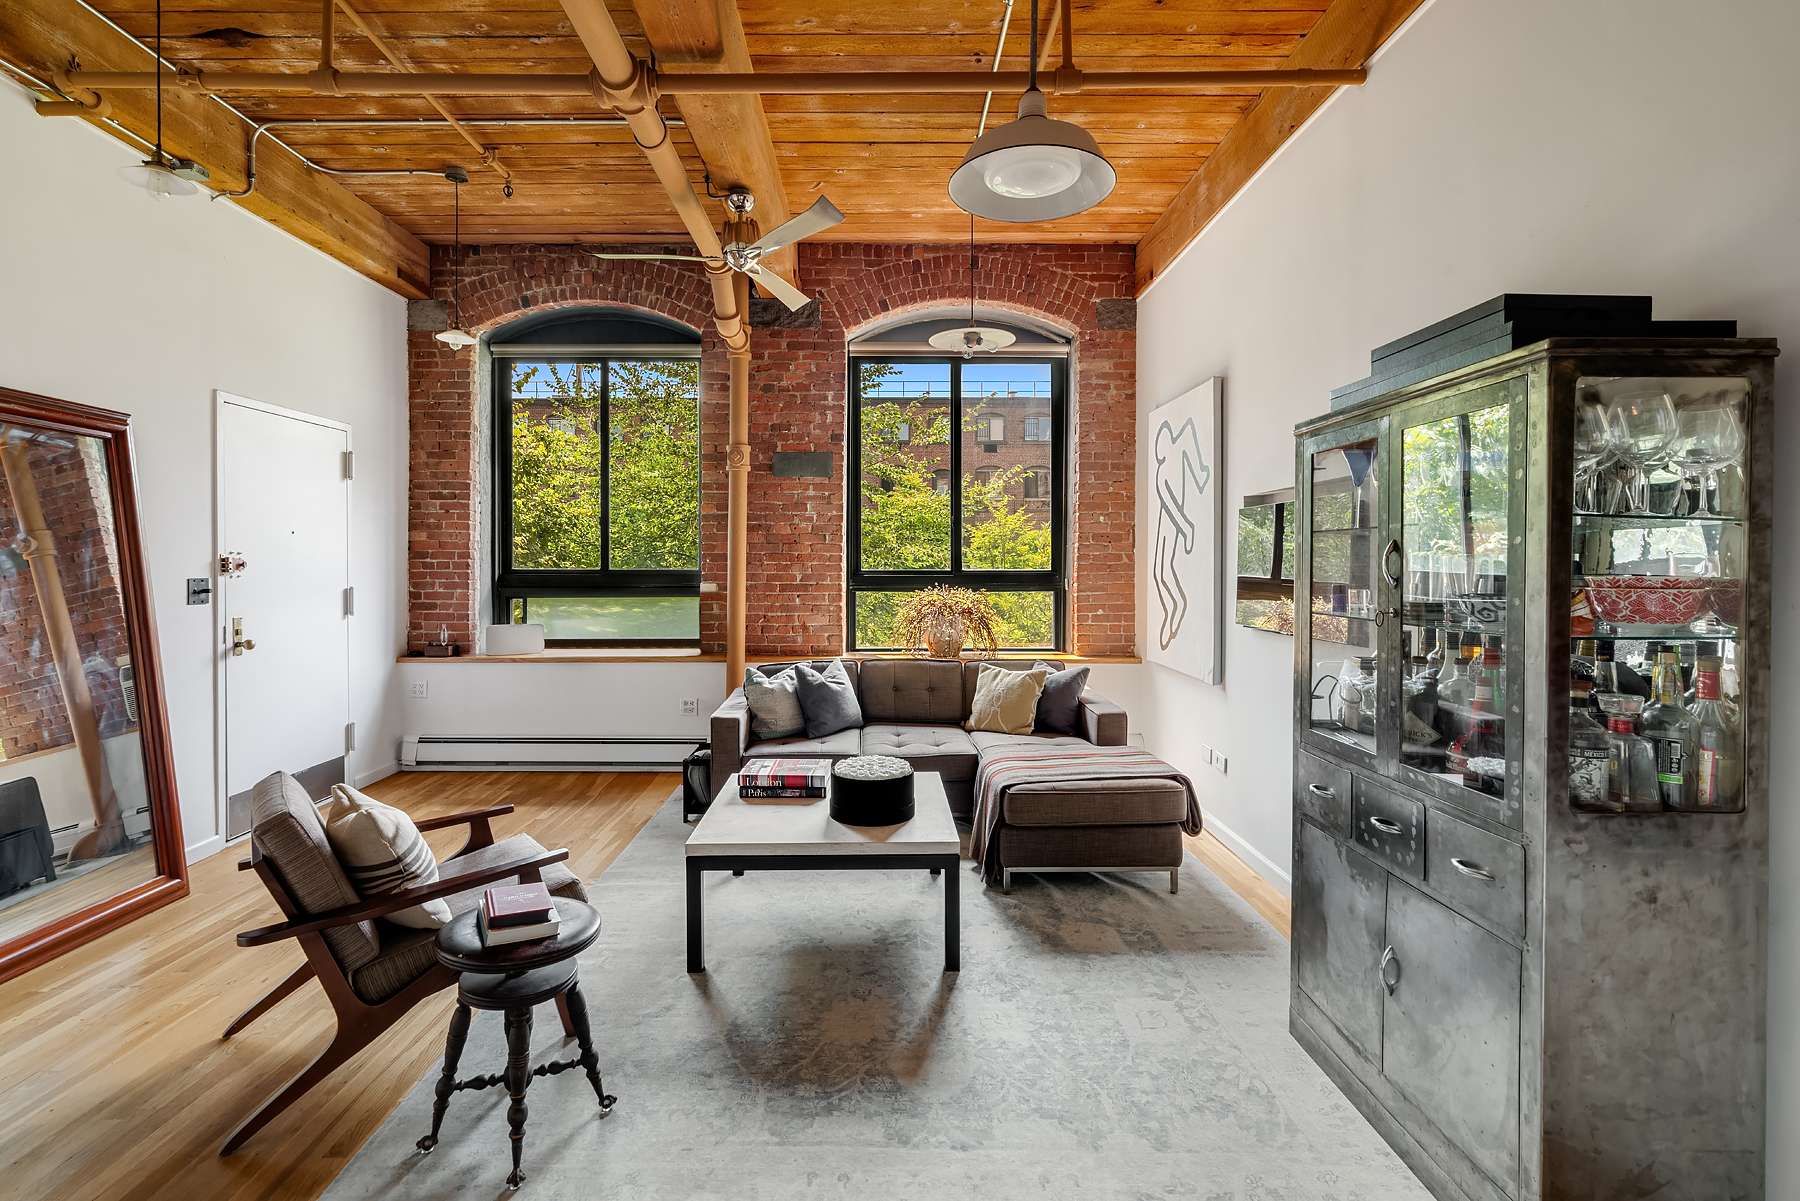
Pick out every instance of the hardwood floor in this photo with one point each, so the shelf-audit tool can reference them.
(114, 1083)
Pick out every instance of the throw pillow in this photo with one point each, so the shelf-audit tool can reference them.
(774, 705)
(828, 699)
(382, 851)
(1006, 701)
(1059, 709)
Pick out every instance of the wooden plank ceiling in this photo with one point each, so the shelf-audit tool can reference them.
(884, 160)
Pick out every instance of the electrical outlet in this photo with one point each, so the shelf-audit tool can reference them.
(690, 707)
(421, 688)
(1219, 762)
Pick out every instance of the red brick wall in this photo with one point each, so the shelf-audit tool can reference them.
(798, 402)
(72, 489)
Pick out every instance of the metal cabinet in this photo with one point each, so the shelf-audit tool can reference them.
(1477, 946)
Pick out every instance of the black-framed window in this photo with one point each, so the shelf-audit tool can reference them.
(953, 501)
(597, 491)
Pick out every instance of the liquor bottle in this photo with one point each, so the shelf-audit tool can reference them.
(1434, 655)
(1476, 739)
(1455, 695)
(1673, 734)
(1691, 662)
(1606, 673)
(1581, 663)
(1719, 775)
(1631, 784)
(1493, 665)
(1590, 752)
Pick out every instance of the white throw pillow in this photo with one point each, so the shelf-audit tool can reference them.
(774, 704)
(1006, 701)
(382, 851)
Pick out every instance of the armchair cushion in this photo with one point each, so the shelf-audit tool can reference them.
(287, 829)
(557, 877)
(382, 851)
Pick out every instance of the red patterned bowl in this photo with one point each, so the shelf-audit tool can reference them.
(1727, 600)
(1648, 600)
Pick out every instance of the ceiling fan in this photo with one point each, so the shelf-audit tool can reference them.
(746, 256)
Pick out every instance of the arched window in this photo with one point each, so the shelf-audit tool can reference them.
(597, 477)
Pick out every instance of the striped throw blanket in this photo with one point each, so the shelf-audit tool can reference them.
(1002, 770)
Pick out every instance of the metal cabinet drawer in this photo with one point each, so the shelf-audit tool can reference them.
(1480, 872)
(1391, 827)
(1322, 790)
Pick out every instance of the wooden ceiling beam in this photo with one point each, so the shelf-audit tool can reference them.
(43, 36)
(1348, 33)
(731, 132)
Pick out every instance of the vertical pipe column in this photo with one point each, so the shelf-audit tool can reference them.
(108, 834)
(737, 461)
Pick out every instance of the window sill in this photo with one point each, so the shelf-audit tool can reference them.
(586, 654)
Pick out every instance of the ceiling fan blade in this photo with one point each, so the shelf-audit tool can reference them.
(779, 288)
(821, 216)
(685, 258)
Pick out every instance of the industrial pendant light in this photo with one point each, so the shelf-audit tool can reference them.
(154, 174)
(1033, 169)
(973, 337)
(456, 337)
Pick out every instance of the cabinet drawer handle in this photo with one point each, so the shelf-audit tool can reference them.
(1384, 825)
(1319, 790)
(1390, 979)
(1471, 869)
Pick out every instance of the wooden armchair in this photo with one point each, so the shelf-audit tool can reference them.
(373, 972)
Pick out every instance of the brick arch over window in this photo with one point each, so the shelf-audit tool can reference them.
(798, 403)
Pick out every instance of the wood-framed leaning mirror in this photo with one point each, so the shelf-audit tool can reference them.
(90, 828)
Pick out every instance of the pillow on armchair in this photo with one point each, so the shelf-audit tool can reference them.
(382, 851)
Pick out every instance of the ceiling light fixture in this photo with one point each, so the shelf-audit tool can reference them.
(162, 175)
(456, 337)
(1032, 169)
(973, 337)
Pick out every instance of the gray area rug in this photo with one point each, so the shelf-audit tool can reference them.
(1103, 1040)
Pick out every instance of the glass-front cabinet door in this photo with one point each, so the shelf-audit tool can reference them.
(1459, 560)
(1345, 593)
(1659, 568)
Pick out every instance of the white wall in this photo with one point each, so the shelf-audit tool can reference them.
(1607, 146)
(114, 300)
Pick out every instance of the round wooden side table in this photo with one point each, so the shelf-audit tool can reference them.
(512, 979)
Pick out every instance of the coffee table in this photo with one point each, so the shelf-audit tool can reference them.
(739, 836)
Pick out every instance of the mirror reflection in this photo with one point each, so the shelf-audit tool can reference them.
(75, 825)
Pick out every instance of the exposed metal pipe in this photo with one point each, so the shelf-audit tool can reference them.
(988, 100)
(1065, 82)
(628, 86)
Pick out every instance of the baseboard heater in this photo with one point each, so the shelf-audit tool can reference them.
(426, 752)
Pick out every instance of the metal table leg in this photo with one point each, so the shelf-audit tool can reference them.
(696, 931)
(952, 916)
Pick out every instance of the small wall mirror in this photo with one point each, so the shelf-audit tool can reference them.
(1265, 562)
(90, 830)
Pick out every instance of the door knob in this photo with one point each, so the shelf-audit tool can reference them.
(239, 643)
(1390, 970)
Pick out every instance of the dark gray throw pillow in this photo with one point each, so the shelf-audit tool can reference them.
(1059, 708)
(828, 699)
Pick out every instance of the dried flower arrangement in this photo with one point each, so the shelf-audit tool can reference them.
(938, 621)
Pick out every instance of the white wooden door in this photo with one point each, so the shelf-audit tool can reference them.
(284, 511)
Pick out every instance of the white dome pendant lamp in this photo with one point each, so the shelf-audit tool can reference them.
(973, 337)
(1033, 169)
(153, 174)
(456, 337)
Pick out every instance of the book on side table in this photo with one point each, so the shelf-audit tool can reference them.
(516, 913)
(783, 779)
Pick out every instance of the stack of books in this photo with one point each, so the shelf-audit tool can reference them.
(515, 913)
(776, 779)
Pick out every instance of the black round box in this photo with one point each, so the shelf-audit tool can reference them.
(861, 802)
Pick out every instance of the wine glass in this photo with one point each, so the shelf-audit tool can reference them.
(1707, 437)
(1593, 444)
(1643, 426)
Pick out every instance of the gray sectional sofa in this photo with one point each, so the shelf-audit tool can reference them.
(914, 709)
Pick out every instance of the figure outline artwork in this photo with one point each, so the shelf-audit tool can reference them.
(1179, 459)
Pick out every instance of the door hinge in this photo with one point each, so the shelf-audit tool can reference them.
(350, 602)
(349, 464)
(349, 737)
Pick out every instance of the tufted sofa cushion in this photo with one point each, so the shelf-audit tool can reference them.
(945, 750)
(923, 691)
